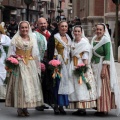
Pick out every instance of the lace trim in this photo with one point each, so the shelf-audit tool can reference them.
(106, 62)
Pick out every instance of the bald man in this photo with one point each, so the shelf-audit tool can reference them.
(43, 35)
(42, 27)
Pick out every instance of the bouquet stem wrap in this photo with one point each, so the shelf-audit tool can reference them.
(79, 71)
(82, 78)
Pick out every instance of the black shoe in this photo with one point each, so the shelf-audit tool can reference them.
(56, 110)
(20, 112)
(45, 107)
(79, 113)
(62, 111)
(39, 108)
(102, 114)
(26, 112)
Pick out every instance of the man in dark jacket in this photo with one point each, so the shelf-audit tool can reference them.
(12, 28)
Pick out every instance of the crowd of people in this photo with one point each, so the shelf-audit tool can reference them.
(29, 87)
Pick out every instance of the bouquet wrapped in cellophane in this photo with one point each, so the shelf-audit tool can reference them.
(55, 67)
(11, 63)
(80, 71)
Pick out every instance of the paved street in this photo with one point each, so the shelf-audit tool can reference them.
(11, 114)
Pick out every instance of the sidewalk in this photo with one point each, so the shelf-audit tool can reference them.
(118, 70)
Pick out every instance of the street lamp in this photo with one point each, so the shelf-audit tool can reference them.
(116, 2)
(60, 1)
(28, 2)
(0, 9)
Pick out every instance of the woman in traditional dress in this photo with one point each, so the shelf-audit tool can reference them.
(108, 92)
(24, 88)
(82, 97)
(61, 44)
(2, 73)
(4, 44)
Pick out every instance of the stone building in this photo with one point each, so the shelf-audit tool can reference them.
(95, 11)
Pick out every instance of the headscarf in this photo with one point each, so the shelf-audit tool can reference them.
(85, 38)
(35, 50)
(83, 33)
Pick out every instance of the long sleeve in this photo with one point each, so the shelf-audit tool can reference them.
(85, 55)
(106, 48)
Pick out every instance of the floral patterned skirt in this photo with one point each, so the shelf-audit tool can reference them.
(15, 96)
(83, 98)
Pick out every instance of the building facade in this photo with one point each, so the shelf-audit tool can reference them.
(95, 11)
(38, 8)
(17, 9)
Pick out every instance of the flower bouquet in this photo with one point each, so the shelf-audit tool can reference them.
(42, 66)
(55, 67)
(11, 63)
(79, 71)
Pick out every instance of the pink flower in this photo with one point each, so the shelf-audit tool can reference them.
(13, 60)
(42, 66)
(81, 65)
(55, 63)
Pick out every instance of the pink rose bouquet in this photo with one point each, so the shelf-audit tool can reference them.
(11, 63)
(55, 64)
(55, 67)
(79, 71)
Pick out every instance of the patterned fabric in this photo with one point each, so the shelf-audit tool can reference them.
(47, 34)
(106, 102)
(82, 105)
(41, 44)
(15, 93)
(2, 91)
